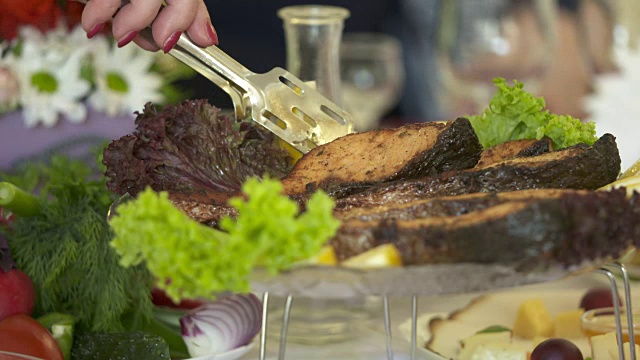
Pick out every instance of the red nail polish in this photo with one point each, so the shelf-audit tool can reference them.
(171, 41)
(127, 38)
(95, 30)
(212, 33)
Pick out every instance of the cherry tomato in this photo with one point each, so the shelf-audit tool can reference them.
(24, 335)
(17, 295)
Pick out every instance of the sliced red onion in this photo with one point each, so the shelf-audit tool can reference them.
(250, 305)
(226, 324)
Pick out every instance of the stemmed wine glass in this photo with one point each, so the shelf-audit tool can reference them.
(478, 41)
(372, 76)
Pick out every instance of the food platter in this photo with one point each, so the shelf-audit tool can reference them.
(440, 333)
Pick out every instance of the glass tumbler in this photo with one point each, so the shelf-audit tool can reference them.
(313, 34)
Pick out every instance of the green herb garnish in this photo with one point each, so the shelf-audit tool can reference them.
(494, 329)
(64, 248)
(192, 260)
(515, 114)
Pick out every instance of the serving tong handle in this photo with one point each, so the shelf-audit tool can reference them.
(193, 56)
(179, 52)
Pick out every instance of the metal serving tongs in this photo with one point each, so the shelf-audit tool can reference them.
(277, 100)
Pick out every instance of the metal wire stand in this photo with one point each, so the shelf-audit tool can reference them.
(608, 270)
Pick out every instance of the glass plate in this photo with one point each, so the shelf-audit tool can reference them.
(338, 282)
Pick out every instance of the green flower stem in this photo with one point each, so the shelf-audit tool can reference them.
(18, 201)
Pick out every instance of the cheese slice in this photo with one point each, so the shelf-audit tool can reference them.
(601, 344)
(533, 320)
(470, 344)
(499, 351)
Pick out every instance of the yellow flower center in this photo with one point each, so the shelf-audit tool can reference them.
(117, 83)
(44, 82)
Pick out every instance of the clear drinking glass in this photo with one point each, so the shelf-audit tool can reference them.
(481, 40)
(372, 73)
(313, 34)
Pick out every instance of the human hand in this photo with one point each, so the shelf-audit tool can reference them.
(167, 24)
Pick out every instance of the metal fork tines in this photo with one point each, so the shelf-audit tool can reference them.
(277, 100)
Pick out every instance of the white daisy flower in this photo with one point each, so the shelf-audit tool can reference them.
(50, 82)
(124, 82)
(58, 42)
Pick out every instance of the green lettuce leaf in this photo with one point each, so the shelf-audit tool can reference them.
(514, 114)
(192, 260)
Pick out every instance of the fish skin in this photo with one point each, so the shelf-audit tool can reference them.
(576, 167)
(567, 227)
(358, 161)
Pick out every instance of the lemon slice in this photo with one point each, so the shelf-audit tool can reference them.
(386, 255)
(631, 183)
(293, 152)
(326, 256)
(632, 171)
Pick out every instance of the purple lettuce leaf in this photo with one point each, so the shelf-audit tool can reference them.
(191, 148)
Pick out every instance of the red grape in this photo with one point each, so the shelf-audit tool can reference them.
(556, 349)
(597, 298)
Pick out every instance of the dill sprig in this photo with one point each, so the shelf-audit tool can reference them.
(65, 251)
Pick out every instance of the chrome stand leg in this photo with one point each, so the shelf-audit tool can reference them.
(414, 326)
(387, 327)
(263, 328)
(285, 327)
(628, 307)
(616, 309)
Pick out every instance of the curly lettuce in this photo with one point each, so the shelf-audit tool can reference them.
(192, 260)
(191, 147)
(514, 114)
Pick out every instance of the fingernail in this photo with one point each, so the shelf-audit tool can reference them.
(171, 41)
(212, 33)
(127, 38)
(95, 30)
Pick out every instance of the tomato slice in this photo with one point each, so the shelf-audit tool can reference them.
(23, 335)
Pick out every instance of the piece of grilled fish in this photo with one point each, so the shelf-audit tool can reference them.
(567, 226)
(358, 161)
(514, 149)
(577, 167)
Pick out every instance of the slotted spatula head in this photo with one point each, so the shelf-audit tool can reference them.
(295, 111)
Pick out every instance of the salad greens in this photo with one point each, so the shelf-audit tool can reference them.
(191, 147)
(192, 260)
(514, 114)
(64, 248)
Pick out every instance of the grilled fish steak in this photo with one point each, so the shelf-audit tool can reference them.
(358, 161)
(566, 227)
(206, 208)
(514, 149)
(445, 205)
(577, 167)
